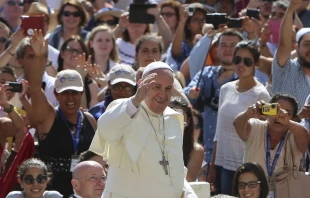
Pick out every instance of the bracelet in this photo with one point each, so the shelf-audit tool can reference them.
(10, 53)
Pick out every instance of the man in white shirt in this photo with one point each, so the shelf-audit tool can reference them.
(142, 140)
(25, 56)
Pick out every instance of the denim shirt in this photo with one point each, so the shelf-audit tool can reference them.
(209, 77)
(176, 63)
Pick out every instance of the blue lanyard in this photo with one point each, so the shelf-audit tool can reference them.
(78, 128)
(276, 157)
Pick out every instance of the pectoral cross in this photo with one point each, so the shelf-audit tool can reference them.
(164, 163)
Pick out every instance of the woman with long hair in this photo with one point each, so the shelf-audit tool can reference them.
(193, 152)
(71, 18)
(102, 48)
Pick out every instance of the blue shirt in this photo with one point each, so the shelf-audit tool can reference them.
(209, 77)
(100, 108)
(176, 62)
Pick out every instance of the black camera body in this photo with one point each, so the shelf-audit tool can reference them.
(216, 19)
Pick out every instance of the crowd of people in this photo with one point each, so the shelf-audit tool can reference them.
(95, 104)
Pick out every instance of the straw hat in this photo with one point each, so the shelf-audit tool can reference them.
(37, 8)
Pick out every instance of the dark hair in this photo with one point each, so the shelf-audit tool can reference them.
(249, 45)
(200, 123)
(77, 5)
(230, 32)
(187, 31)
(141, 40)
(188, 136)
(288, 98)
(63, 48)
(8, 70)
(174, 5)
(256, 169)
(86, 156)
(32, 162)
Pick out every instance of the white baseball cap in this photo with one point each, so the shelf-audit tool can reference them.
(68, 80)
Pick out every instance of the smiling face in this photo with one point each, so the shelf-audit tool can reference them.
(304, 51)
(102, 43)
(248, 192)
(242, 68)
(69, 101)
(159, 95)
(68, 19)
(69, 55)
(149, 52)
(36, 189)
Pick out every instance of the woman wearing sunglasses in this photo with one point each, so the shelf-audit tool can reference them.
(33, 179)
(71, 18)
(250, 181)
(235, 97)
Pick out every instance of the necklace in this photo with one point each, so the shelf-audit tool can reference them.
(163, 162)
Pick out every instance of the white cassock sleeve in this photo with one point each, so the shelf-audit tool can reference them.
(189, 192)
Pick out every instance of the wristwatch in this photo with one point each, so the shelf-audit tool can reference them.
(9, 110)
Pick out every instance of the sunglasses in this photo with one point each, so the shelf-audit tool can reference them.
(120, 88)
(29, 179)
(68, 13)
(250, 184)
(247, 61)
(167, 14)
(108, 22)
(14, 3)
(3, 40)
(72, 51)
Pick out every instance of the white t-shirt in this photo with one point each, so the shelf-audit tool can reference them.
(46, 194)
(230, 148)
(53, 54)
(127, 51)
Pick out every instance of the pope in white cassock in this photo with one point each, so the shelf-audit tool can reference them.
(141, 137)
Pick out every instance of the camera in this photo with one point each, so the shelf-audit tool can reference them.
(269, 109)
(216, 19)
(234, 23)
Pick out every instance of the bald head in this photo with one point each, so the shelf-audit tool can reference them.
(83, 166)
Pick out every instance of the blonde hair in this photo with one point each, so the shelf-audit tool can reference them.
(102, 28)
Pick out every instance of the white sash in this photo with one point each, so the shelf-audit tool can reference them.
(133, 185)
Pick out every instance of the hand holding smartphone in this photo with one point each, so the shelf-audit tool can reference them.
(16, 87)
(138, 13)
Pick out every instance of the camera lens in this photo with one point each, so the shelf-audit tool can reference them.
(273, 106)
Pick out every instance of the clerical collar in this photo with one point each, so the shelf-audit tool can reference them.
(149, 111)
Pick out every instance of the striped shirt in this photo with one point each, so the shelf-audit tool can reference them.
(290, 79)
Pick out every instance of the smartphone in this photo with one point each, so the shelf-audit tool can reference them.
(140, 1)
(138, 13)
(16, 87)
(30, 23)
(216, 19)
(274, 26)
(234, 23)
(253, 13)
(270, 109)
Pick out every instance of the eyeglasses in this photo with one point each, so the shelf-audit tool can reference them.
(250, 184)
(14, 3)
(29, 179)
(108, 22)
(68, 13)
(3, 40)
(120, 88)
(197, 20)
(247, 61)
(167, 14)
(72, 50)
